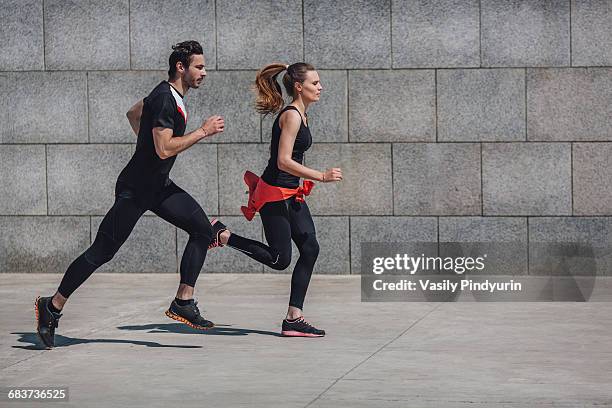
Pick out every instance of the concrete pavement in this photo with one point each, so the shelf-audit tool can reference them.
(116, 347)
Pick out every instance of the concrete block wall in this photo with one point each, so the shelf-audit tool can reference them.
(453, 120)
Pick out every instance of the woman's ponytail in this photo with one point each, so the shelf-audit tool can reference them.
(269, 94)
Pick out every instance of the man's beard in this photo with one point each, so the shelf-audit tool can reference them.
(195, 84)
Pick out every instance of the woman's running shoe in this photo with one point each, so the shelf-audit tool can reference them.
(300, 328)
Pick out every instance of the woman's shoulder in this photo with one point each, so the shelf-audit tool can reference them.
(289, 114)
(289, 108)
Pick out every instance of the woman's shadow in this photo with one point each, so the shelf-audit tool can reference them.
(218, 330)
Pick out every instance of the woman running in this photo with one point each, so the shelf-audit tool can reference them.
(277, 195)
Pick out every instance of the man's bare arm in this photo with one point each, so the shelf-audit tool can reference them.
(134, 115)
(167, 146)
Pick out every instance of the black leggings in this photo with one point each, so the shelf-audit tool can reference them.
(284, 221)
(172, 204)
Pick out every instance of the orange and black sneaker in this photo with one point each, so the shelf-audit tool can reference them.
(218, 228)
(300, 328)
(188, 314)
(46, 321)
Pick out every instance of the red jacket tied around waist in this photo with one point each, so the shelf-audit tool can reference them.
(261, 193)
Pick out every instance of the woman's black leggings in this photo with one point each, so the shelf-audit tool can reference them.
(172, 204)
(284, 221)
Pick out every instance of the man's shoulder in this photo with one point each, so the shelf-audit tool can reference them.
(160, 93)
(163, 88)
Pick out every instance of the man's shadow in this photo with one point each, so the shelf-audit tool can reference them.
(218, 330)
(63, 341)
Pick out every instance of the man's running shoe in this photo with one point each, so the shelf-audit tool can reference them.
(300, 328)
(46, 321)
(218, 228)
(189, 314)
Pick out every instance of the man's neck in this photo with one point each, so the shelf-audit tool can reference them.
(178, 84)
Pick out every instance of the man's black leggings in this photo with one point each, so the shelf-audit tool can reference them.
(284, 221)
(172, 204)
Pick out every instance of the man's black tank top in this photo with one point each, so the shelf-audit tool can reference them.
(272, 174)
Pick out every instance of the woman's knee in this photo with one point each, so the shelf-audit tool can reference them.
(281, 261)
(310, 247)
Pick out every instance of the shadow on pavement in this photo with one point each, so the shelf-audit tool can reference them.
(218, 330)
(63, 341)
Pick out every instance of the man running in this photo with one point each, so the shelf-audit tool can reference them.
(159, 120)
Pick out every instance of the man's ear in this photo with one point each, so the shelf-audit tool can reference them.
(180, 67)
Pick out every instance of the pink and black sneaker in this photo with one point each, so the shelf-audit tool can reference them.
(300, 328)
(218, 228)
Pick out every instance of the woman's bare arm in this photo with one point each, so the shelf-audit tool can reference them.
(290, 122)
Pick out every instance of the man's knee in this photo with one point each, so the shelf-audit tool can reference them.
(201, 229)
(102, 250)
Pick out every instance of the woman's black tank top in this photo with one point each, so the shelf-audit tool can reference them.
(272, 174)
